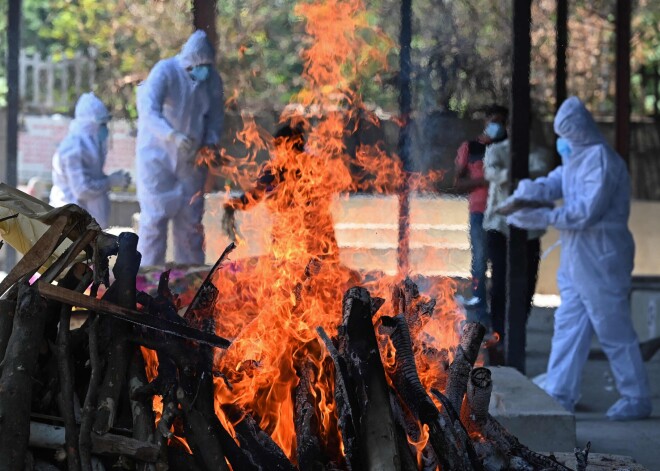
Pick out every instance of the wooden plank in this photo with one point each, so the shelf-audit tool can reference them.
(100, 306)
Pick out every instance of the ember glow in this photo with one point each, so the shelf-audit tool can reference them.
(270, 306)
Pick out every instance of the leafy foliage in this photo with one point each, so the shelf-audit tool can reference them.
(461, 49)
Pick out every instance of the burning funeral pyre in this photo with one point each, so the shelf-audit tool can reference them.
(282, 362)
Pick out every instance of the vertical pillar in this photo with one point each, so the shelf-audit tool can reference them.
(622, 113)
(13, 103)
(516, 306)
(561, 45)
(405, 108)
(13, 48)
(204, 15)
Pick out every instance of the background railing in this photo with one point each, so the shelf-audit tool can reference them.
(50, 85)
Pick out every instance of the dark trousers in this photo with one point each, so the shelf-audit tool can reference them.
(497, 254)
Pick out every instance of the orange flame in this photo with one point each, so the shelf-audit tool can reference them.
(270, 306)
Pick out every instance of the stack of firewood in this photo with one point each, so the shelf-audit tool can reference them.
(81, 398)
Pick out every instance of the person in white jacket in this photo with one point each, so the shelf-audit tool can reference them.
(77, 172)
(180, 109)
(497, 167)
(597, 252)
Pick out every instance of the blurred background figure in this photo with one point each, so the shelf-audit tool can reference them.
(78, 163)
(180, 110)
(469, 178)
(596, 262)
(497, 168)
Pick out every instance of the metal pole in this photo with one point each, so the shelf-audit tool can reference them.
(516, 305)
(13, 49)
(562, 44)
(622, 117)
(405, 108)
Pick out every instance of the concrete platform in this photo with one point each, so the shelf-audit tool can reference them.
(529, 413)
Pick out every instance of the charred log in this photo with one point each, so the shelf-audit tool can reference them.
(308, 446)
(16, 379)
(87, 414)
(403, 429)
(118, 351)
(80, 276)
(479, 389)
(410, 389)
(262, 449)
(459, 370)
(359, 348)
(141, 407)
(346, 400)
(7, 309)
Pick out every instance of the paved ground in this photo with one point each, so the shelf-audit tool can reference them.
(640, 439)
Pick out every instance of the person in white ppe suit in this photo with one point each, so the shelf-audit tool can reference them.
(78, 176)
(180, 110)
(597, 251)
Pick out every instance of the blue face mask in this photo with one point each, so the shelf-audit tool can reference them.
(199, 73)
(494, 131)
(103, 133)
(563, 149)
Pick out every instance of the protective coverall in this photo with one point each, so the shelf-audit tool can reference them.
(596, 263)
(177, 114)
(78, 163)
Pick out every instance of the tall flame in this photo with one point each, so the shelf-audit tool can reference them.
(270, 306)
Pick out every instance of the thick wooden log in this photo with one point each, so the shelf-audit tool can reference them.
(459, 370)
(141, 407)
(119, 351)
(478, 395)
(103, 307)
(16, 379)
(89, 406)
(262, 449)
(346, 400)
(408, 458)
(80, 275)
(359, 348)
(478, 420)
(203, 430)
(308, 446)
(7, 309)
(409, 387)
(52, 437)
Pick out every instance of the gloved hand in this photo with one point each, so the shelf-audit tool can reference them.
(119, 178)
(184, 144)
(530, 218)
(528, 190)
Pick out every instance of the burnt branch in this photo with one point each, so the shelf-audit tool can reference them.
(346, 400)
(459, 370)
(308, 446)
(16, 380)
(119, 352)
(79, 276)
(261, 447)
(89, 406)
(359, 347)
(409, 387)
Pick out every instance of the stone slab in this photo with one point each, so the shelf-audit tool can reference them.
(529, 413)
